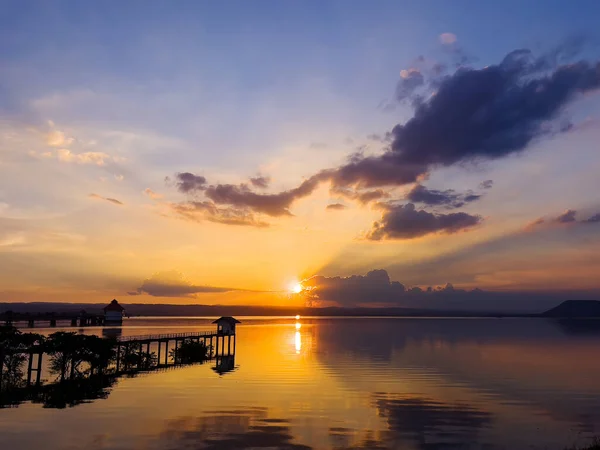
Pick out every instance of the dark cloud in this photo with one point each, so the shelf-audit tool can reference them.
(594, 219)
(490, 112)
(335, 207)
(270, 204)
(375, 287)
(486, 113)
(188, 182)
(260, 181)
(487, 184)
(432, 197)
(406, 222)
(108, 199)
(172, 284)
(197, 211)
(567, 217)
(471, 115)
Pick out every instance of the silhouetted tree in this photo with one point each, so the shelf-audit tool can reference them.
(190, 352)
(67, 351)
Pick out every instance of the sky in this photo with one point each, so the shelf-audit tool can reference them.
(235, 152)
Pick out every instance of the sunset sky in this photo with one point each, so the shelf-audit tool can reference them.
(223, 152)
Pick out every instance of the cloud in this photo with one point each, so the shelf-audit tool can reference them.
(198, 211)
(270, 204)
(375, 287)
(406, 222)
(410, 80)
(594, 219)
(65, 155)
(335, 207)
(260, 181)
(173, 284)
(468, 116)
(58, 139)
(567, 217)
(432, 197)
(153, 195)
(188, 182)
(363, 197)
(448, 38)
(487, 184)
(108, 199)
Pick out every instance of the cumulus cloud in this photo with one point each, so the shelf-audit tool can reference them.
(335, 207)
(173, 284)
(374, 288)
(108, 199)
(260, 181)
(433, 197)
(406, 222)
(448, 38)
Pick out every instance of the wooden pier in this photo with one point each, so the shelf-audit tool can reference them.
(143, 353)
(80, 319)
(219, 343)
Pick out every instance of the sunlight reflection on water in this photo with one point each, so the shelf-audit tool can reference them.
(343, 383)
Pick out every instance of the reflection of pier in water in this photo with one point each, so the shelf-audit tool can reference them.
(134, 354)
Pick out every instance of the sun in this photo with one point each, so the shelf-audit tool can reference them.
(296, 287)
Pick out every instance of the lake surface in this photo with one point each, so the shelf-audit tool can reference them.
(344, 383)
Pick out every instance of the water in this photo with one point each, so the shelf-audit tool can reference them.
(345, 383)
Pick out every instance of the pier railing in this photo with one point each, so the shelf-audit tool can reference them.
(158, 337)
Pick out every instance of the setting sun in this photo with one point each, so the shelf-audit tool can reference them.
(296, 287)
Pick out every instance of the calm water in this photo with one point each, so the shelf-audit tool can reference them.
(345, 383)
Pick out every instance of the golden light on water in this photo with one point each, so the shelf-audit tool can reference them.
(298, 341)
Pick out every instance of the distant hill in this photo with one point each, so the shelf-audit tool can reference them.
(575, 309)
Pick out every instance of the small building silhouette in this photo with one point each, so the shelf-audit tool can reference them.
(113, 313)
(226, 325)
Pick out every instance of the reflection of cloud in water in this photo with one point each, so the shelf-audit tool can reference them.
(428, 423)
(229, 430)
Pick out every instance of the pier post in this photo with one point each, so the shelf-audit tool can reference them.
(74, 322)
(1, 366)
(31, 323)
(166, 352)
(118, 357)
(52, 322)
(39, 368)
(140, 357)
(29, 368)
(158, 354)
